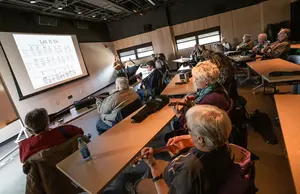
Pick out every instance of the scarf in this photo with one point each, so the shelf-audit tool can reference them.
(203, 92)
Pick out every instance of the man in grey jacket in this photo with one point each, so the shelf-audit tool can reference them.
(113, 104)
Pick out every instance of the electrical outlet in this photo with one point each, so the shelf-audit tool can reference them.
(70, 97)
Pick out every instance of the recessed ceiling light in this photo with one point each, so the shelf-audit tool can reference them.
(141, 14)
(60, 8)
(93, 16)
(32, 2)
(79, 12)
(134, 11)
(104, 18)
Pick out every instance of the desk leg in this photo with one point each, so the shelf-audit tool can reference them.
(259, 86)
(249, 76)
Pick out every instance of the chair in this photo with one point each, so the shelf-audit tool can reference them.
(129, 109)
(295, 59)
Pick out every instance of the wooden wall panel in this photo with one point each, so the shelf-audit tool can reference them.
(201, 24)
(189, 27)
(127, 42)
(136, 40)
(226, 25)
(274, 11)
(246, 20)
(178, 29)
(145, 37)
(213, 21)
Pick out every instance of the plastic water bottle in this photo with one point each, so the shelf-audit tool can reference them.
(84, 150)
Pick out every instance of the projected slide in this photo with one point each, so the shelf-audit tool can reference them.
(48, 59)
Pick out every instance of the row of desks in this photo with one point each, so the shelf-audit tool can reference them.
(112, 151)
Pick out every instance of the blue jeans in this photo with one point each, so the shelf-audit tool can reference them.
(144, 94)
(102, 126)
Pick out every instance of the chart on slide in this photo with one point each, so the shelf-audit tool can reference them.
(48, 59)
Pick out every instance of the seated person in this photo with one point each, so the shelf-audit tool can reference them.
(227, 46)
(246, 45)
(206, 76)
(43, 136)
(219, 48)
(204, 53)
(225, 66)
(205, 167)
(151, 84)
(160, 62)
(262, 43)
(113, 104)
(196, 54)
(280, 48)
(119, 67)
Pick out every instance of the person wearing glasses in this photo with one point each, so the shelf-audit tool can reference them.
(205, 167)
(280, 48)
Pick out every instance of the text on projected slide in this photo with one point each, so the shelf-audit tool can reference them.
(48, 59)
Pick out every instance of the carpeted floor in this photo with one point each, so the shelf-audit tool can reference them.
(273, 174)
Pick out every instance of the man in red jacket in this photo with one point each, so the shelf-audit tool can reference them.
(43, 137)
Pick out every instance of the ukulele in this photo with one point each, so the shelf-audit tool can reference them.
(174, 149)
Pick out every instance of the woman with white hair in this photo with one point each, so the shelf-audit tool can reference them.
(112, 105)
(205, 167)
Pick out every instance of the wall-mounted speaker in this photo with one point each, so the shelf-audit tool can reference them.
(82, 25)
(46, 21)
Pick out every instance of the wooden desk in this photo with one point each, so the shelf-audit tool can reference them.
(73, 116)
(240, 58)
(295, 46)
(181, 61)
(113, 151)
(172, 89)
(264, 67)
(288, 108)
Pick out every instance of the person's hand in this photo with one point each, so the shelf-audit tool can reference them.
(176, 110)
(173, 141)
(147, 154)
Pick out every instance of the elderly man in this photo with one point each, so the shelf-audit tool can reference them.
(196, 54)
(246, 45)
(43, 137)
(113, 104)
(262, 43)
(280, 48)
(205, 167)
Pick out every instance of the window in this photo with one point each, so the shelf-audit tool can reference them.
(136, 52)
(204, 37)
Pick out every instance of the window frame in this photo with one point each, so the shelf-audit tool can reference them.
(135, 48)
(196, 34)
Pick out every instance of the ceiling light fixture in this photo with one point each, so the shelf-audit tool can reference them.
(60, 8)
(79, 13)
(141, 14)
(104, 18)
(93, 16)
(134, 11)
(32, 2)
(150, 1)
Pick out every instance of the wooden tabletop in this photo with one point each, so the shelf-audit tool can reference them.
(264, 67)
(73, 115)
(295, 46)
(113, 151)
(173, 89)
(288, 108)
(181, 60)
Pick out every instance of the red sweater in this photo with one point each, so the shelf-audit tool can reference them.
(45, 140)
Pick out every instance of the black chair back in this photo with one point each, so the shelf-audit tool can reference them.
(129, 109)
(294, 59)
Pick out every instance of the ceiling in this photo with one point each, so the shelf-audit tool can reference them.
(91, 10)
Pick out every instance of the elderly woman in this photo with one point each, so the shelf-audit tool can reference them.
(111, 105)
(225, 66)
(205, 167)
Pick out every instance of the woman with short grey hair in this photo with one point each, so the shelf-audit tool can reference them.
(207, 163)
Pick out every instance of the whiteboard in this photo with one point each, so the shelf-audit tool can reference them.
(48, 59)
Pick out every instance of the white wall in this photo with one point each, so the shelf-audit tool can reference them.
(98, 59)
